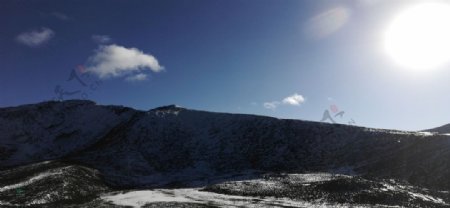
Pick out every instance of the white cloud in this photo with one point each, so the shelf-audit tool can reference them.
(36, 37)
(327, 22)
(137, 77)
(294, 99)
(271, 105)
(118, 61)
(101, 38)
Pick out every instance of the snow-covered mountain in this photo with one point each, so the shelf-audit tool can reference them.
(171, 146)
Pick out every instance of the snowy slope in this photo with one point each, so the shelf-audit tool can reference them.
(49, 183)
(57, 184)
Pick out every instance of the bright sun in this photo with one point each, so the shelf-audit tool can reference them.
(419, 37)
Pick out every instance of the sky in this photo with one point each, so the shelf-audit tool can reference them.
(281, 58)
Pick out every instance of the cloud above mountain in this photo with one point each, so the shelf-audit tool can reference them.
(295, 100)
(35, 38)
(110, 61)
(271, 105)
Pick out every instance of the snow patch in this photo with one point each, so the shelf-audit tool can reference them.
(139, 198)
(30, 180)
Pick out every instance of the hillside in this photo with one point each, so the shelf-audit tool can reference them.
(445, 129)
(174, 147)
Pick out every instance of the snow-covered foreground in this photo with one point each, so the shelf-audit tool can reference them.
(76, 185)
(200, 196)
(272, 191)
(194, 195)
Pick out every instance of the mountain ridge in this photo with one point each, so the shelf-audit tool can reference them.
(444, 129)
(99, 152)
(154, 149)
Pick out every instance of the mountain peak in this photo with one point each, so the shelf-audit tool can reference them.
(445, 129)
(171, 107)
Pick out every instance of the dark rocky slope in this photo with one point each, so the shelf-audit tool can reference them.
(173, 146)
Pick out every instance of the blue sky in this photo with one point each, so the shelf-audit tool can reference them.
(287, 59)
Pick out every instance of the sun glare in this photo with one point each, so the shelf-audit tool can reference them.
(419, 37)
